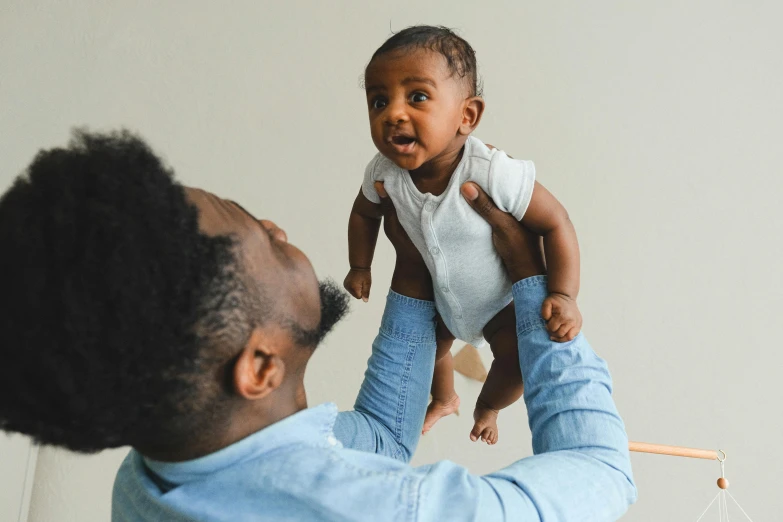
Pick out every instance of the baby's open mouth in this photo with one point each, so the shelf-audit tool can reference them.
(402, 140)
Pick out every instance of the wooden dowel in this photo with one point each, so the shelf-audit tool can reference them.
(675, 451)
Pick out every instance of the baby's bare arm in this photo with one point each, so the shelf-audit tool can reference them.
(547, 217)
(363, 226)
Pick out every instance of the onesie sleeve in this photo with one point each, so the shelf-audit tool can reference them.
(510, 183)
(372, 174)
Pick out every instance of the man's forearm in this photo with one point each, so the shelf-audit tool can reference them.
(581, 464)
(389, 411)
(565, 384)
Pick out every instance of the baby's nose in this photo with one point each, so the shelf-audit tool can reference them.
(396, 113)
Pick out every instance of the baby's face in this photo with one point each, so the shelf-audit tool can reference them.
(415, 106)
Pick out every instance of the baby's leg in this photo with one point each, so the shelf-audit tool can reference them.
(445, 400)
(504, 380)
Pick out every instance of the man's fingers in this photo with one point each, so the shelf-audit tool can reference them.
(366, 292)
(479, 200)
(387, 207)
(380, 189)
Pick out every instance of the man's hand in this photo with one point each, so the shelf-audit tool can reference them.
(358, 283)
(411, 275)
(562, 316)
(519, 248)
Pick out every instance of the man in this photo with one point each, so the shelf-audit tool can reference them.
(139, 312)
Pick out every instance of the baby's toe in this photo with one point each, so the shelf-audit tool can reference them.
(485, 427)
(489, 436)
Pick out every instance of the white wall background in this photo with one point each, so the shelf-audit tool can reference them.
(17, 473)
(657, 123)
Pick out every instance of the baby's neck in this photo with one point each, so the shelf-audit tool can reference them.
(433, 176)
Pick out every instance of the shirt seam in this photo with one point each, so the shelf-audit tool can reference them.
(413, 511)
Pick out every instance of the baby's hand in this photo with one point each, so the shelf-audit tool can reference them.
(562, 316)
(358, 282)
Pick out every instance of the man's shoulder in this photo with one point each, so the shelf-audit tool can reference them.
(296, 482)
(304, 482)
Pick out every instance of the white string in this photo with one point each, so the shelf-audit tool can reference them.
(708, 507)
(735, 501)
(725, 505)
(722, 507)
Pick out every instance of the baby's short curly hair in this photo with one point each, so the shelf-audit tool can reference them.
(113, 304)
(460, 56)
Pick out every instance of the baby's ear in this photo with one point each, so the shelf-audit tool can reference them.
(472, 111)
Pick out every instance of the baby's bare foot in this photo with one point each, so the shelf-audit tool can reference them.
(438, 409)
(486, 424)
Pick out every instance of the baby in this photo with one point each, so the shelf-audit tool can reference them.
(424, 102)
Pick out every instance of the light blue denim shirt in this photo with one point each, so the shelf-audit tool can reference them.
(323, 465)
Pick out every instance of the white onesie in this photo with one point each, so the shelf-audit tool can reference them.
(470, 282)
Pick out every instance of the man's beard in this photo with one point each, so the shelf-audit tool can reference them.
(334, 306)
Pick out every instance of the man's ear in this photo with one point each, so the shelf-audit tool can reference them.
(259, 369)
(472, 110)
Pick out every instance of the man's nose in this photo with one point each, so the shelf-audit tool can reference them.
(275, 231)
(396, 112)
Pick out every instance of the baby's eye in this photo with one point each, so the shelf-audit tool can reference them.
(418, 97)
(378, 103)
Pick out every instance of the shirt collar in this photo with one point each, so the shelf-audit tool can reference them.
(312, 427)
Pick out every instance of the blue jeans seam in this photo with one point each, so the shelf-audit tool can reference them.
(411, 301)
(402, 402)
(534, 281)
(531, 322)
(406, 335)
